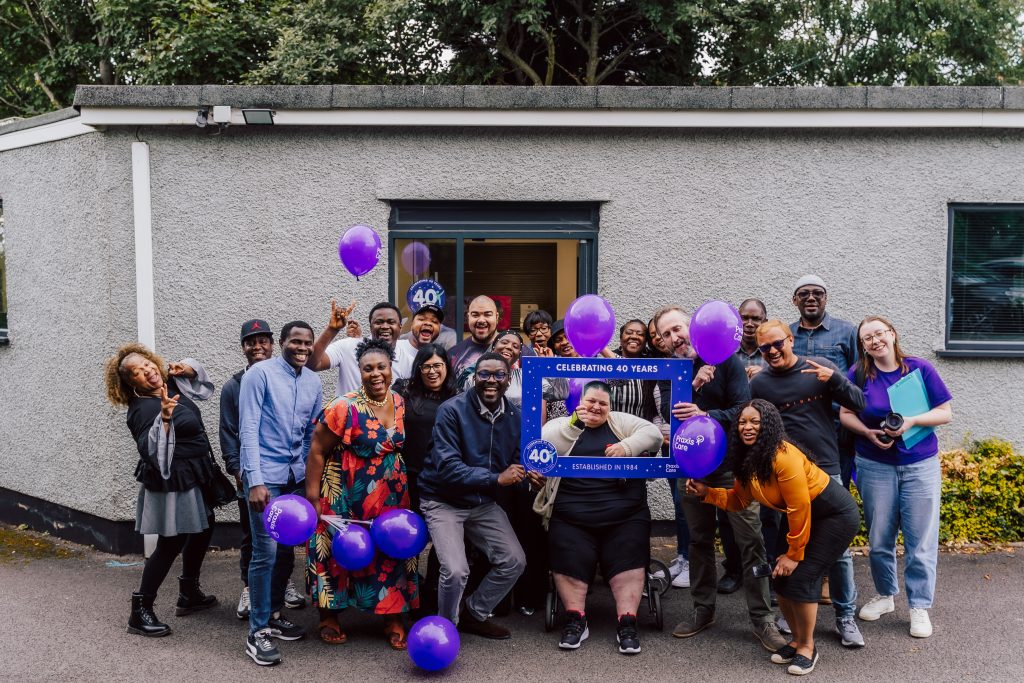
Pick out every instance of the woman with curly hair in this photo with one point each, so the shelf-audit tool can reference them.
(822, 518)
(180, 482)
(355, 470)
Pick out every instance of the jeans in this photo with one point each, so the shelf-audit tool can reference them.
(682, 530)
(487, 527)
(841, 586)
(269, 570)
(902, 498)
(702, 519)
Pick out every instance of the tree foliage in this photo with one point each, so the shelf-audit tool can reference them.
(47, 47)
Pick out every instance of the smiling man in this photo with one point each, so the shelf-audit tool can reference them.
(804, 390)
(482, 320)
(475, 453)
(328, 352)
(257, 344)
(278, 400)
(718, 392)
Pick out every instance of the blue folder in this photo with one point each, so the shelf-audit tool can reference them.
(908, 397)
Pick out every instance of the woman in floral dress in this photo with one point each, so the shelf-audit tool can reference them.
(355, 470)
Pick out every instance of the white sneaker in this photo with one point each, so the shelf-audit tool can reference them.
(293, 599)
(242, 611)
(920, 624)
(673, 569)
(682, 579)
(876, 607)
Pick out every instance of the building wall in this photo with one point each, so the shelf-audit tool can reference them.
(246, 225)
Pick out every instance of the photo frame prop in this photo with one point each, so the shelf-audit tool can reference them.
(540, 456)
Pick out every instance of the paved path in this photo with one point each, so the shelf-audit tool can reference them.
(65, 618)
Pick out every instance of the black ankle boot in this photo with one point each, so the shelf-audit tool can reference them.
(142, 620)
(191, 597)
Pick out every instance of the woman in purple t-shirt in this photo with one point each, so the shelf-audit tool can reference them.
(901, 485)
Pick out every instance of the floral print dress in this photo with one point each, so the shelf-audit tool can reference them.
(363, 477)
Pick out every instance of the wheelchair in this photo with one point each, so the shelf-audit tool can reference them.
(656, 583)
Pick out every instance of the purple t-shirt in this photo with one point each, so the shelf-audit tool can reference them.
(876, 395)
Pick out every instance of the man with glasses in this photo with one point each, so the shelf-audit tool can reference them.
(719, 391)
(818, 334)
(475, 452)
(804, 390)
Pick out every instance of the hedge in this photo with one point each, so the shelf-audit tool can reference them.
(982, 495)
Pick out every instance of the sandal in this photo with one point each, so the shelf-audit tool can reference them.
(330, 631)
(395, 633)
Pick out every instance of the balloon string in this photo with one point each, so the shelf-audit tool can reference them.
(341, 523)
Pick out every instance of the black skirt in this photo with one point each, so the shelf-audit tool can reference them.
(835, 520)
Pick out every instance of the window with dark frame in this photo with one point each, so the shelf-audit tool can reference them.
(985, 287)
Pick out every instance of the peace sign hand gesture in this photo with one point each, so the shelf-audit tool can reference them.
(824, 374)
(167, 404)
(339, 316)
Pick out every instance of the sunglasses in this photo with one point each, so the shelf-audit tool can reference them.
(487, 375)
(777, 345)
(804, 294)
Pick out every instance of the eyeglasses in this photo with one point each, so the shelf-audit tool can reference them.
(777, 345)
(805, 294)
(427, 368)
(540, 328)
(487, 375)
(868, 338)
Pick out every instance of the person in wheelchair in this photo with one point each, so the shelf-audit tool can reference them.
(593, 521)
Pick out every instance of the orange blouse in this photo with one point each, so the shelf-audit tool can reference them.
(795, 482)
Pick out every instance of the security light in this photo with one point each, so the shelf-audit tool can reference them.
(258, 117)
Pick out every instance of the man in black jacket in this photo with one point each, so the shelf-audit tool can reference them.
(257, 344)
(475, 450)
(718, 391)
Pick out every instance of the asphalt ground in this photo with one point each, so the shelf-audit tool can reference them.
(65, 610)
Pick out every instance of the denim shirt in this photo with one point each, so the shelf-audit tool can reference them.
(276, 410)
(833, 339)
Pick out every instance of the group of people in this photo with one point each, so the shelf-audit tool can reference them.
(426, 422)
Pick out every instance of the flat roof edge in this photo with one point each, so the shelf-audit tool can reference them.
(481, 97)
(40, 120)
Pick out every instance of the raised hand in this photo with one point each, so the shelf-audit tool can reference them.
(585, 416)
(824, 374)
(181, 370)
(167, 404)
(339, 316)
(704, 375)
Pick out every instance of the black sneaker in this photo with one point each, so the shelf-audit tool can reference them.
(627, 635)
(574, 632)
(282, 629)
(801, 666)
(262, 650)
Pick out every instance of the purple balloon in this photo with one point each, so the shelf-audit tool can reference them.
(433, 643)
(400, 534)
(290, 519)
(359, 249)
(352, 548)
(715, 331)
(589, 324)
(415, 258)
(699, 446)
(575, 393)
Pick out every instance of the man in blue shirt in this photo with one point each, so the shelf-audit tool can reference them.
(277, 405)
(818, 334)
(257, 344)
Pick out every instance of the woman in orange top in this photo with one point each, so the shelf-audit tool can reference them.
(822, 518)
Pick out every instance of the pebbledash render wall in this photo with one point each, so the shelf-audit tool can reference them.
(245, 224)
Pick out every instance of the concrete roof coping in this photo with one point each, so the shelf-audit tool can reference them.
(40, 120)
(551, 97)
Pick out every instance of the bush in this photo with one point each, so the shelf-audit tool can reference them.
(982, 495)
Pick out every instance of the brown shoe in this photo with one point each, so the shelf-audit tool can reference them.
(699, 621)
(486, 628)
(826, 598)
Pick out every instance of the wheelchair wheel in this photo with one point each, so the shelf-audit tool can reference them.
(550, 609)
(658, 577)
(656, 611)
